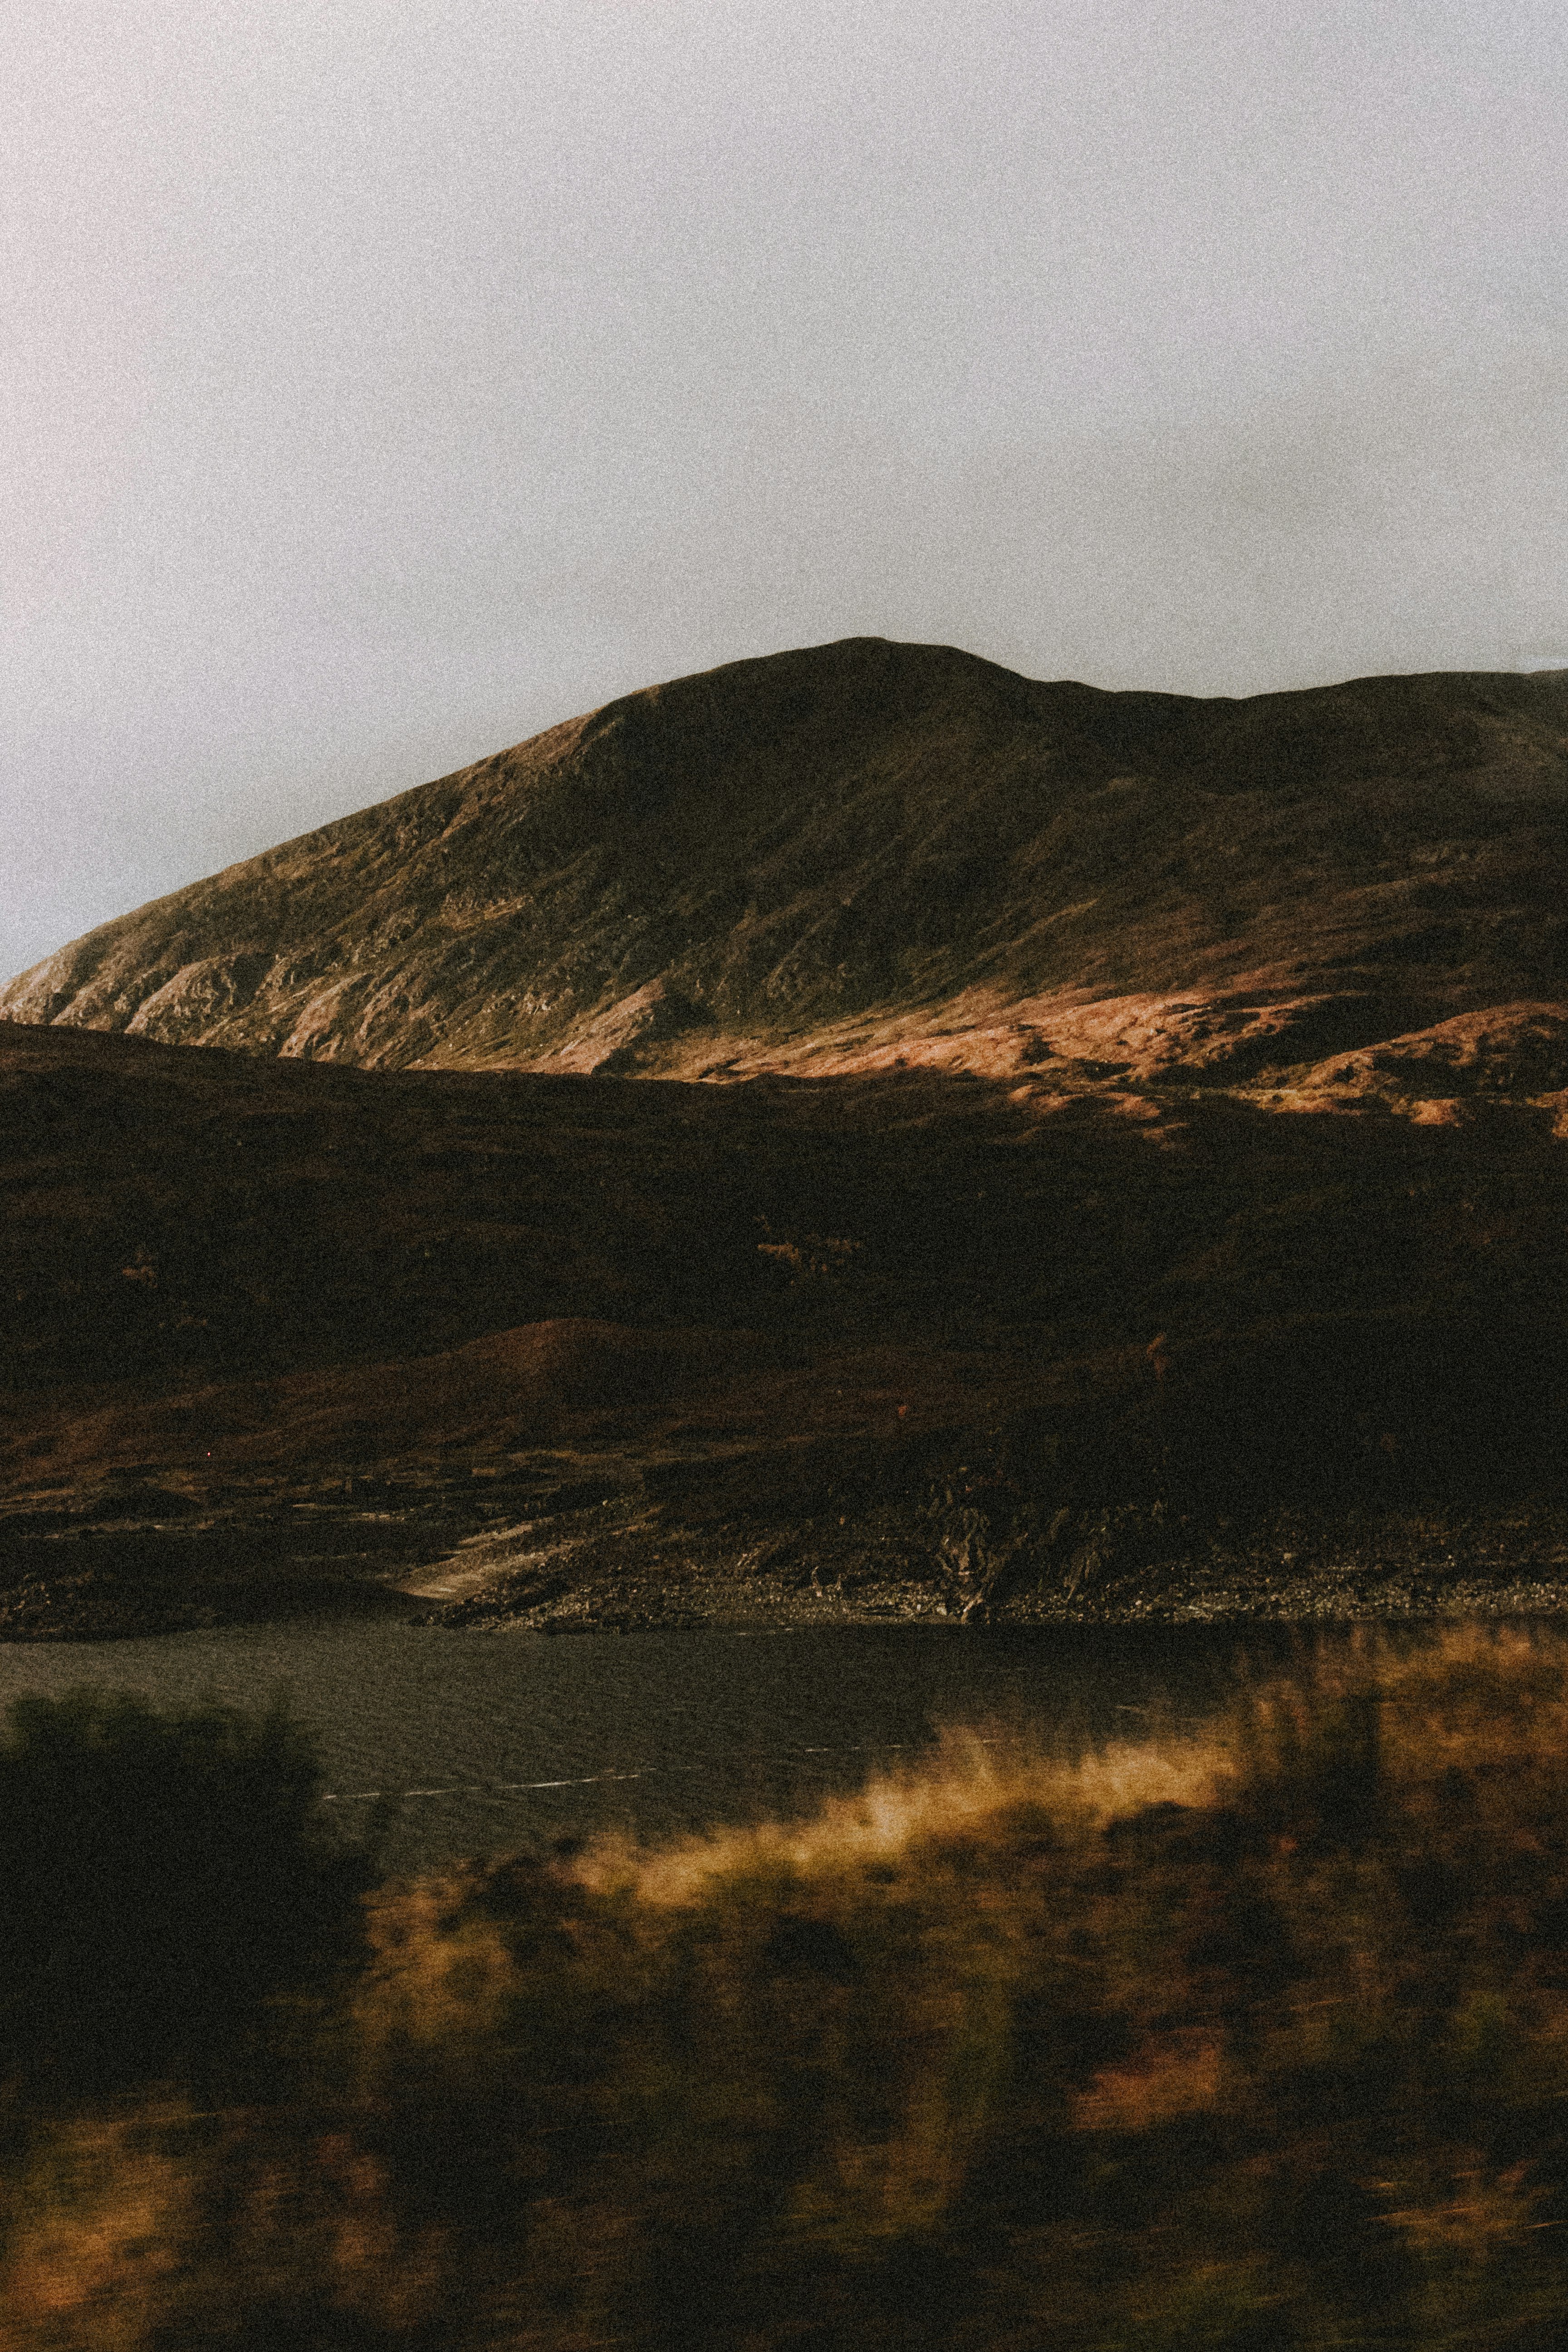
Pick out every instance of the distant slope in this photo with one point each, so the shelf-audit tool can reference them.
(270, 1331)
(869, 852)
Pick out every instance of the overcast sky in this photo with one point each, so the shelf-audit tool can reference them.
(385, 380)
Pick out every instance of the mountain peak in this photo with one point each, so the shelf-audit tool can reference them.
(851, 856)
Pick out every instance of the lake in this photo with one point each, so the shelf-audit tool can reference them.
(492, 1740)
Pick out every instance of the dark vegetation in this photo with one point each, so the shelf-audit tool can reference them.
(255, 1306)
(1254, 2041)
(174, 1217)
(174, 1904)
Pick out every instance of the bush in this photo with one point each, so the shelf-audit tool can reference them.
(169, 1884)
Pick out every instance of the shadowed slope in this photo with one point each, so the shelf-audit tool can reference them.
(864, 853)
(266, 1326)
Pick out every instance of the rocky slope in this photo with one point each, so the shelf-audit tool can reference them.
(868, 855)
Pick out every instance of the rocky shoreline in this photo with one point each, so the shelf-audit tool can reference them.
(892, 1565)
(614, 1565)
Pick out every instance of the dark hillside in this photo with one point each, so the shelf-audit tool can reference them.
(911, 1341)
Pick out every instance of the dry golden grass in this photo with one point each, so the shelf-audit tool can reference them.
(1256, 2038)
(974, 1774)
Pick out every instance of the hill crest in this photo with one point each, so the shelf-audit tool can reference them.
(867, 854)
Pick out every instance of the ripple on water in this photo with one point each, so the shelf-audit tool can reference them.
(488, 1742)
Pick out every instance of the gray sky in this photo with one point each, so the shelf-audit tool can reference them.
(385, 380)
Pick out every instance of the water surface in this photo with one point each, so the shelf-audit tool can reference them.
(493, 1740)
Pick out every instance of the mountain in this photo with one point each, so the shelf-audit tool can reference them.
(1002, 1284)
(867, 854)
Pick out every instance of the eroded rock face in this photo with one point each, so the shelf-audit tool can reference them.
(867, 856)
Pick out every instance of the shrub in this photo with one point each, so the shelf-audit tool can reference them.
(169, 1884)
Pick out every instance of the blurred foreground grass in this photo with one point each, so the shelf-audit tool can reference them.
(1254, 2039)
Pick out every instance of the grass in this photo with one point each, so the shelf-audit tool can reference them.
(1257, 2037)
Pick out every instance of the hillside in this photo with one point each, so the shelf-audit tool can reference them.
(284, 1335)
(871, 854)
(1003, 1285)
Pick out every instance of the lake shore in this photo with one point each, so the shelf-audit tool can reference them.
(615, 1565)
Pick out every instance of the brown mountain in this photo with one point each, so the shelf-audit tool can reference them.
(1000, 1285)
(868, 855)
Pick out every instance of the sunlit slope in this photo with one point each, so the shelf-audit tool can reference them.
(863, 853)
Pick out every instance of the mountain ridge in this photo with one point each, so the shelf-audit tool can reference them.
(853, 856)
(1001, 1287)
